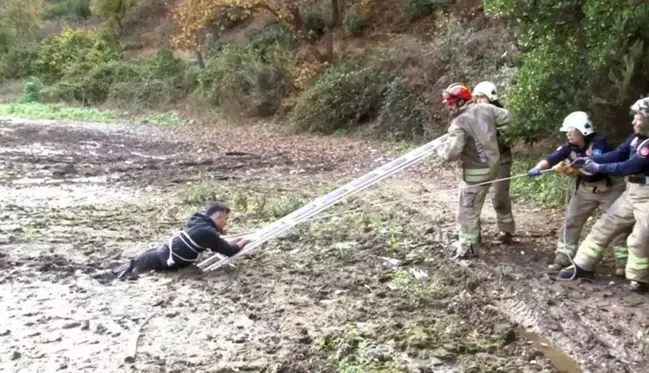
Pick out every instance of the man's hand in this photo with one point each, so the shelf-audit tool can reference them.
(534, 172)
(242, 242)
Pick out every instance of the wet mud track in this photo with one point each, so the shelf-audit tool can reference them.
(379, 295)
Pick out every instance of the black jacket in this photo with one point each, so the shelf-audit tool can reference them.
(200, 233)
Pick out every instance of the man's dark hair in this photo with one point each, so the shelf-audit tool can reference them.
(217, 207)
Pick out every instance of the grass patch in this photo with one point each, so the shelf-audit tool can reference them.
(51, 111)
(352, 352)
(548, 189)
(163, 119)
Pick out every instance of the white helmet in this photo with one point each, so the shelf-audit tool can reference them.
(487, 89)
(641, 106)
(579, 121)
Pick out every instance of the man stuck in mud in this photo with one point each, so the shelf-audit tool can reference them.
(201, 232)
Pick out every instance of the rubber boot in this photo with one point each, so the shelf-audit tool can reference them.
(561, 260)
(466, 252)
(505, 238)
(574, 272)
(125, 270)
(638, 287)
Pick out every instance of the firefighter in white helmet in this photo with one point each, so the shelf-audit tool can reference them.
(630, 211)
(586, 192)
(486, 92)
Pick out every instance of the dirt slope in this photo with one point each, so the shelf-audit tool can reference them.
(373, 290)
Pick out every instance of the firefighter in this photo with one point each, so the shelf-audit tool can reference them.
(586, 192)
(486, 92)
(473, 140)
(631, 210)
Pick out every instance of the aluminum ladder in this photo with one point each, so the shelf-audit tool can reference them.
(320, 204)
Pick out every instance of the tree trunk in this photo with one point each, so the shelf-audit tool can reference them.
(331, 24)
(199, 59)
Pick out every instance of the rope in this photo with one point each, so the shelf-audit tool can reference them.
(394, 202)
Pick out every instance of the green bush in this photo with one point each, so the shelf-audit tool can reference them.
(241, 80)
(74, 52)
(339, 98)
(19, 62)
(403, 115)
(589, 55)
(72, 9)
(421, 8)
(313, 18)
(31, 91)
(354, 24)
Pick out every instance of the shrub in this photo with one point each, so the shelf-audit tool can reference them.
(342, 96)
(19, 62)
(31, 91)
(421, 8)
(242, 80)
(403, 115)
(73, 9)
(74, 52)
(576, 55)
(354, 24)
(313, 17)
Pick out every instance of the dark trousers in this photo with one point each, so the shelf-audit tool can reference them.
(153, 259)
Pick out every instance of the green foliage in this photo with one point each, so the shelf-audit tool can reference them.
(32, 91)
(548, 189)
(69, 9)
(313, 17)
(402, 115)
(340, 97)
(49, 111)
(421, 8)
(19, 62)
(587, 55)
(248, 80)
(73, 52)
(354, 24)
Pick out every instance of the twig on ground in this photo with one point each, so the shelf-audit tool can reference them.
(132, 346)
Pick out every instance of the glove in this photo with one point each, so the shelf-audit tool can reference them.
(591, 167)
(534, 172)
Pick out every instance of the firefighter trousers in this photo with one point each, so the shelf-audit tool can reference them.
(630, 211)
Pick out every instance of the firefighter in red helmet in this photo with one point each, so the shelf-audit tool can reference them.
(472, 140)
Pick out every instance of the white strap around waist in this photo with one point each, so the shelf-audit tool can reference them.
(184, 237)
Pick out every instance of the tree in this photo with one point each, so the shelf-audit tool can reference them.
(20, 19)
(576, 55)
(197, 18)
(112, 11)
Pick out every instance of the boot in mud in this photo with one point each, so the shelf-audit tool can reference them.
(466, 251)
(561, 260)
(505, 238)
(574, 272)
(638, 287)
(125, 271)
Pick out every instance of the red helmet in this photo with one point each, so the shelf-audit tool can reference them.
(456, 92)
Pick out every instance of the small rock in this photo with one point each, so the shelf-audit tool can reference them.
(63, 366)
(100, 329)
(172, 314)
(15, 355)
(71, 325)
(85, 325)
(5, 333)
(473, 369)
(241, 338)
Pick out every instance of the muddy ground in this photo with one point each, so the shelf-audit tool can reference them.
(367, 291)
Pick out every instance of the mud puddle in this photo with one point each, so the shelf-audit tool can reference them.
(559, 360)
